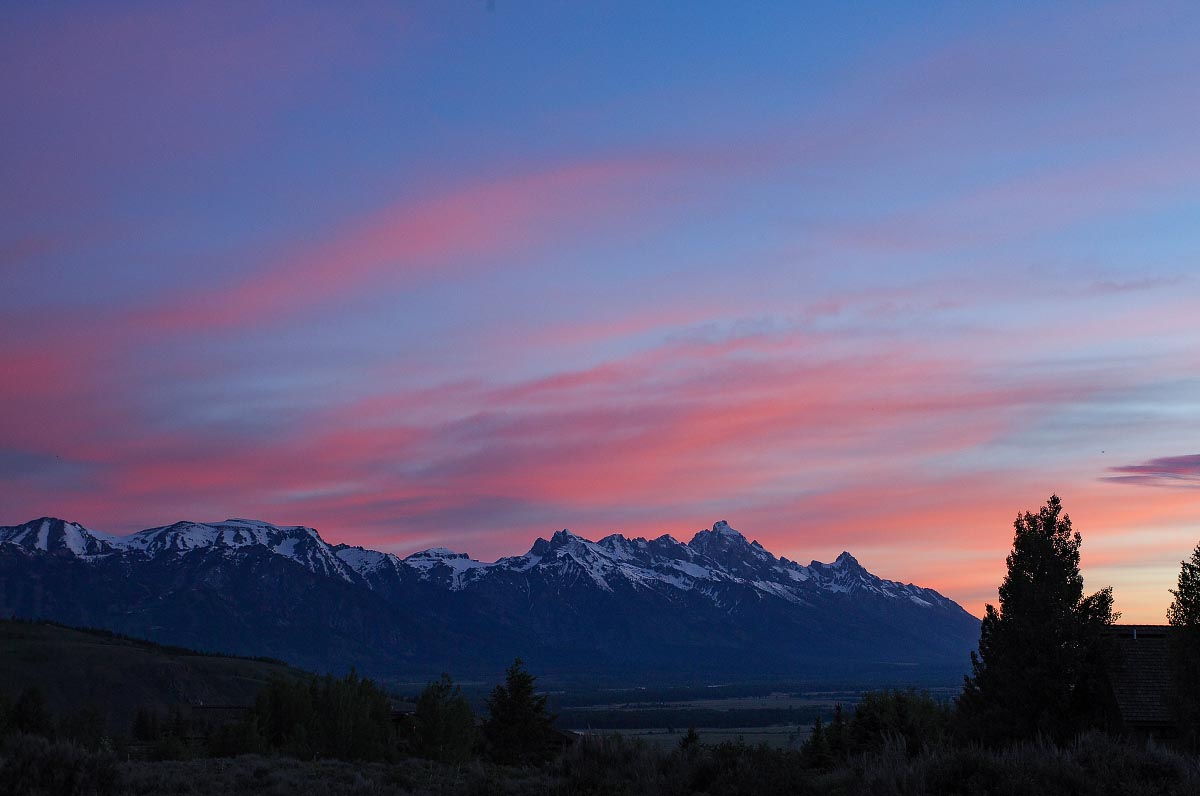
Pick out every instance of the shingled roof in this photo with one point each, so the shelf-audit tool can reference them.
(1141, 680)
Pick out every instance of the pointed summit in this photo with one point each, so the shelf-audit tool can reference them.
(721, 528)
(844, 562)
(721, 536)
(560, 539)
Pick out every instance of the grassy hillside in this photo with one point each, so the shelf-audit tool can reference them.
(75, 667)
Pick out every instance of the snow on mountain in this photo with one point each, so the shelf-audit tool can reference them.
(846, 575)
(298, 543)
(231, 537)
(51, 535)
(714, 559)
(365, 562)
(454, 569)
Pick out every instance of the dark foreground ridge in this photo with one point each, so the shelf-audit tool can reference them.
(119, 675)
(616, 610)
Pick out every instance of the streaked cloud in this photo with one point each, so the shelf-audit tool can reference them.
(1167, 471)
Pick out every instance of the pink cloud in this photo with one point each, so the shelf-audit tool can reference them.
(416, 240)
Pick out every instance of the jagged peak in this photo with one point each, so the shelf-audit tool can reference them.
(721, 533)
(843, 561)
(722, 528)
(559, 539)
(620, 539)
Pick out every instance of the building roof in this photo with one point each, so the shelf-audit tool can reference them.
(1141, 679)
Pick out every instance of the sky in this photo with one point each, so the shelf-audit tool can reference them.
(865, 277)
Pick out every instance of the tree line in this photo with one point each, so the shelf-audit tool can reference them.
(352, 718)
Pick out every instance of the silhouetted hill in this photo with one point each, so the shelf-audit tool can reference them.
(77, 666)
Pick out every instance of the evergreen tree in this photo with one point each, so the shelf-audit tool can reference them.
(443, 723)
(815, 750)
(1043, 657)
(348, 718)
(837, 735)
(30, 714)
(1185, 607)
(518, 730)
(1184, 618)
(912, 716)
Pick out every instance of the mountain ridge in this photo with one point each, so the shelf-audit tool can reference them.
(633, 604)
(733, 554)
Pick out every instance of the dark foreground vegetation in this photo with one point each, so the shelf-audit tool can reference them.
(1093, 763)
(1036, 716)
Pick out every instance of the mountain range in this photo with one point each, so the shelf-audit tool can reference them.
(615, 610)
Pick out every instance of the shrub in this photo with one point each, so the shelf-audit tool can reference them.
(241, 738)
(1092, 765)
(34, 766)
(610, 764)
(913, 716)
(87, 726)
(737, 769)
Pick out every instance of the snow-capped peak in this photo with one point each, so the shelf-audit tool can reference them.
(362, 560)
(845, 560)
(721, 528)
(730, 548)
(442, 563)
(565, 537)
(721, 534)
(52, 535)
(235, 536)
